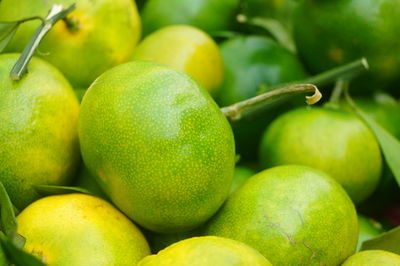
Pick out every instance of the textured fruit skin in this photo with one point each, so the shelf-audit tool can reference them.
(373, 258)
(250, 62)
(38, 129)
(331, 33)
(208, 15)
(293, 215)
(78, 229)
(330, 140)
(187, 49)
(107, 34)
(205, 251)
(158, 145)
(368, 229)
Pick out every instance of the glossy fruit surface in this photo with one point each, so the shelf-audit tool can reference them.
(38, 129)
(158, 145)
(252, 63)
(330, 33)
(208, 15)
(96, 36)
(78, 229)
(368, 229)
(293, 215)
(207, 250)
(187, 49)
(373, 258)
(330, 140)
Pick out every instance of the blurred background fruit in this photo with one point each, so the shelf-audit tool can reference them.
(187, 49)
(95, 37)
(208, 15)
(330, 33)
(38, 129)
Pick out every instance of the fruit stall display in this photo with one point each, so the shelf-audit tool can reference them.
(199, 132)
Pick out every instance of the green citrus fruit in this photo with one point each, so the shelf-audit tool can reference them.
(373, 258)
(38, 129)
(187, 49)
(293, 215)
(95, 37)
(330, 140)
(158, 145)
(250, 64)
(78, 229)
(368, 229)
(331, 33)
(208, 15)
(240, 176)
(207, 250)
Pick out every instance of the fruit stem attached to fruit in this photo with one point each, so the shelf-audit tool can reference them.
(236, 111)
(56, 13)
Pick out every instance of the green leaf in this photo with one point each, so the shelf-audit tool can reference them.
(17, 256)
(390, 145)
(389, 241)
(8, 221)
(277, 30)
(7, 31)
(47, 190)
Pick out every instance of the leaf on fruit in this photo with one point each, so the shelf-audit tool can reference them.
(17, 256)
(47, 190)
(8, 221)
(277, 30)
(7, 31)
(390, 146)
(388, 241)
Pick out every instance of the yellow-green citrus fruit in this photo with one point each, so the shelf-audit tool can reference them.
(368, 229)
(205, 251)
(96, 36)
(293, 215)
(187, 49)
(330, 140)
(78, 229)
(38, 129)
(373, 258)
(158, 145)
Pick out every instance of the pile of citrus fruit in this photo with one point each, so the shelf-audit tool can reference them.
(175, 132)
